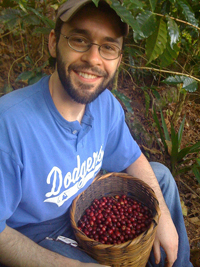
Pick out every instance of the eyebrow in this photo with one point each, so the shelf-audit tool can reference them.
(88, 34)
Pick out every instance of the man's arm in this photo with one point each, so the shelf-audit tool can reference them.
(166, 235)
(19, 251)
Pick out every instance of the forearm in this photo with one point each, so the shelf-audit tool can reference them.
(142, 169)
(18, 250)
(166, 234)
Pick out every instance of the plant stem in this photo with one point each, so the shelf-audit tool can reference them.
(12, 67)
(179, 20)
(115, 81)
(165, 71)
(179, 106)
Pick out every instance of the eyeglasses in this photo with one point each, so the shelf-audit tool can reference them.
(81, 44)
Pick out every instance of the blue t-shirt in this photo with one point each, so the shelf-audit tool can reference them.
(46, 161)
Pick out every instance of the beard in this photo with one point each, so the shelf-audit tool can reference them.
(81, 93)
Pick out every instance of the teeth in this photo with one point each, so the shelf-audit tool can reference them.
(87, 76)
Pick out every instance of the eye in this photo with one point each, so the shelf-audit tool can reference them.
(110, 48)
(79, 40)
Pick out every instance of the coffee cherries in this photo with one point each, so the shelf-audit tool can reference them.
(115, 219)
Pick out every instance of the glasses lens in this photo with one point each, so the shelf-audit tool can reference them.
(109, 51)
(79, 43)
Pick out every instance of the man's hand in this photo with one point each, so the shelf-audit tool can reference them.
(167, 238)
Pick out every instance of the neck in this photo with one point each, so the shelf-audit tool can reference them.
(67, 107)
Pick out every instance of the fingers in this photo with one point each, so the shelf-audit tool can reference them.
(171, 258)
(156, 251)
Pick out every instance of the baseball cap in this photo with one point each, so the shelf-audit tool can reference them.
(67, 10)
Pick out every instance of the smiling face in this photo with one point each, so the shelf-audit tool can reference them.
(85, 75)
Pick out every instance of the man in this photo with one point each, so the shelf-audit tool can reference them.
(57, 134)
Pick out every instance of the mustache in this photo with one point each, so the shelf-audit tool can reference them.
(87, 67)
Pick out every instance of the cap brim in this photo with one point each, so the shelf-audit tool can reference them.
(67, 11)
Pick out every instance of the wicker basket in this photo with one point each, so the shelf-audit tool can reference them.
(133, 252)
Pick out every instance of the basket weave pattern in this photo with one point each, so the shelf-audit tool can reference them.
(133, 253)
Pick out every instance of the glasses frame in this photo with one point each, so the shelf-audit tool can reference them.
(90, 45)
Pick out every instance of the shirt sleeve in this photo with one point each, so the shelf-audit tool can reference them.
(121, 149)
(10, 187)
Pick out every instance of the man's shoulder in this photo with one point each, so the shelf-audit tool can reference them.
(107, 97)
(13, 101)
(108, 102)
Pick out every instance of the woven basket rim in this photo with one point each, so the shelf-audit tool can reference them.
(129, 242)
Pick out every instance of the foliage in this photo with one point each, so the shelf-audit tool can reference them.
(164, 40)
(148, 92)
(188, 83)
(27, 21)
(172, 145)
(163, 34)
(23, 13)
(125, 100)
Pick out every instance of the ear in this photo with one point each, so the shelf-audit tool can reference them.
(52, 44)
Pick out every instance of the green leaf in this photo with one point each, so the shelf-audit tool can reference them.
(153, 4)
(164, 127)
(174, 152)
(173, 31)
(132, 63)
(196, 173)
(125, 100)
(36, 78)
(9, 14)
(41, 30)
(187, 150)
(147, 101)
(133, 4)
(10, 18)
(180, 131)
(147, 23)
(96, 2)
(48, 22)
(156, 43)
(187, 12)
(29, 59)
(169, 55)
(31, 19)
(24, 76)
(155, 117)
(195, 147)
(125, 15)
(7, 89)
(189, 84)
(198, 161)
(173, 80)
(22, 7)
(156, 94)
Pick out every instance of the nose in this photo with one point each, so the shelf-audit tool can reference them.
(92, 56)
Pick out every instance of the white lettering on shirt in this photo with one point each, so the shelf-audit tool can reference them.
(72, 181)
